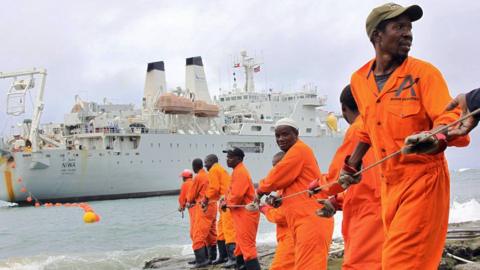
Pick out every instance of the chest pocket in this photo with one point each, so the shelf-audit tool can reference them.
(404, 118)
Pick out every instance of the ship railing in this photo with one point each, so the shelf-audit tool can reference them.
(125, 131)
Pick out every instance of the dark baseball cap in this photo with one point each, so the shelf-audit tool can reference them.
(236, 152)
(390, 11)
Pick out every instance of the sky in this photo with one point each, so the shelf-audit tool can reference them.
(99, 49)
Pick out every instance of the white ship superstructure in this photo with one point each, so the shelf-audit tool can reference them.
(108, 151)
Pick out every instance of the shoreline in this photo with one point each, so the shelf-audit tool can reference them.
(463, 242)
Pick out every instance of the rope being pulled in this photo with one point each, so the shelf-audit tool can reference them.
(328, 185)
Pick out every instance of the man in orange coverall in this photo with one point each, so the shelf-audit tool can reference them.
(397, 96)
(204, 231)
(182, 198)
(218, 187)
(284, 254)
(242, 192)
(362, 226)
(311, 235)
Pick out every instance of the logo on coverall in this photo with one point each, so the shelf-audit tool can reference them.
(406, 85)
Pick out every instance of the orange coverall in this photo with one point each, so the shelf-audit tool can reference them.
(242, 192)
(362, 226)
(204, 233)
(312, 235)
(182, 200)
(284, 254)
(415, 188)
(220, 181)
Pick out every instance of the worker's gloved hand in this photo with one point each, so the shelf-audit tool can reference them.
(313, 187)
(189, 204)
(348, 175)
(264, 208)
(259, 195)
(329, 207)
(273, 201)
(204, 204)
(425, 143)
(223, 204)
(181, 209)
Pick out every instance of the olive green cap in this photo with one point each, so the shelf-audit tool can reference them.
(390, 11)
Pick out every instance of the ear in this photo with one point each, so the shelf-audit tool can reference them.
(376, 36)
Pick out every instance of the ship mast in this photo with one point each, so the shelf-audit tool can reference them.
(250, 67)
(18, 90)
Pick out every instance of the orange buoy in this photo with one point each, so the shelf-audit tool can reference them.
(29, 199)
(19, 179)
(58, 204)
(37, 204)
(23, 189)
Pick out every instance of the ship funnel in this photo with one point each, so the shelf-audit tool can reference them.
(195, 80)
(155, 84)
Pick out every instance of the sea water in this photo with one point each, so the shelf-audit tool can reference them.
(133, 231)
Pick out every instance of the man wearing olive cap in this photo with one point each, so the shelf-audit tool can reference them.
(397, 96)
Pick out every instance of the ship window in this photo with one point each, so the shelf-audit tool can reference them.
(159, 145)
(256, 128)
(62, 155)
(47, 155)
(151, 145)
(171, 145)
(100, 154)
(127, 154)
(222, 99)
(178, 145)
(227, 99)
(245, 97)
(308, 130)
(248, 147)
(136, 154)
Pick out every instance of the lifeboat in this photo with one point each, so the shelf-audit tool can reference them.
(173, 104)
(203, 109)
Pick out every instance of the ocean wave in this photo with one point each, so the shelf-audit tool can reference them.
(7, 204)
(463, 169)
(131, 260)
(462, 212)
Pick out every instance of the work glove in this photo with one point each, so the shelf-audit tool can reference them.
(181, 209)
(223, 204)
(313, 187)
(329, 208)
(273, 201)
(425, 143)
(189, 204)
(348, 175)
(204, 204)
(259, 196)
(264, 208)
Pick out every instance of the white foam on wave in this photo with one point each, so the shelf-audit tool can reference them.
(131, 260)
(7, 204)
(463, 169)
(462, 212)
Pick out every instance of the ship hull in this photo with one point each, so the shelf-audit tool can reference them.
(150, 170)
